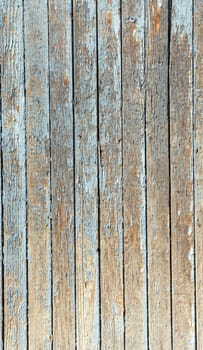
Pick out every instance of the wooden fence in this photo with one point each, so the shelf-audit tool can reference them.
(101, 204)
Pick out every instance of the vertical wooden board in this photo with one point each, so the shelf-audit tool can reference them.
(182, 176)
(133, 75)
(85, 99)
(158, 175)
(61, 113)
(13, 172)
(110, 174)
(38, 174)
(198, 162)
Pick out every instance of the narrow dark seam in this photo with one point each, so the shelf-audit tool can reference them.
(74, 169)
(26, 184)
(122, 155)
(50, 174)
(98, 176)
(193, 164)
(169, 168)
(2, 217)
(145, 166)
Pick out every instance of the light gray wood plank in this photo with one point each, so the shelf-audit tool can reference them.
(14, 180)
(158, 223)
(133, 80)
(182, 214)
(38, 174)
(86, 183)
(61, 113)
(110, 174)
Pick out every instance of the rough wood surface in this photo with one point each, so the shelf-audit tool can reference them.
(62, 173)
(101, 174)
(158, 227)
(198, 163)
(38, 175)
(110, 174)
(182, 176)
(133, 83)
(13, 177)
(86, 182)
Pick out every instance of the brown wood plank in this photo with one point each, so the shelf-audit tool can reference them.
(61, 113)
(110, 174)
(85, 98)
(158, 234)
(38, 174)
(198, 163)
(182, 176)
(133, 75)
(13, 172)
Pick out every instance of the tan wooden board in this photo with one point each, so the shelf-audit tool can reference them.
(158, 186)
(13, 178)
(182, 205)
(134, 173)
(62, 173)
(38, 175)
(86, 171)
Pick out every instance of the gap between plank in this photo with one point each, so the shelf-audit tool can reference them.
(2, 221)
(169, 159)
(122, 157)
(145, 166)
(50, 178)
(26, 184)
(193, 165)
(74, 171)
(98, 175)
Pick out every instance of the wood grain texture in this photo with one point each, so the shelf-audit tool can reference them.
(61, 113)
(133, 81)
(101, 184)
(158, 233)
(86, 183)
(13, 173)
(182, 176)
(198, 163)
(38, 174)
(110, 174)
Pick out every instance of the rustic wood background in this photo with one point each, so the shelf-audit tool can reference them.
(101, 204)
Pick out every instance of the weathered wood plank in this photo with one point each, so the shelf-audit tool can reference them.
(133, 75)
(110, 174)
(86, 183)
(61, 113)
(38, 174)
(13, 172)
(158, 175)
(182, 176)
(198, 163)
